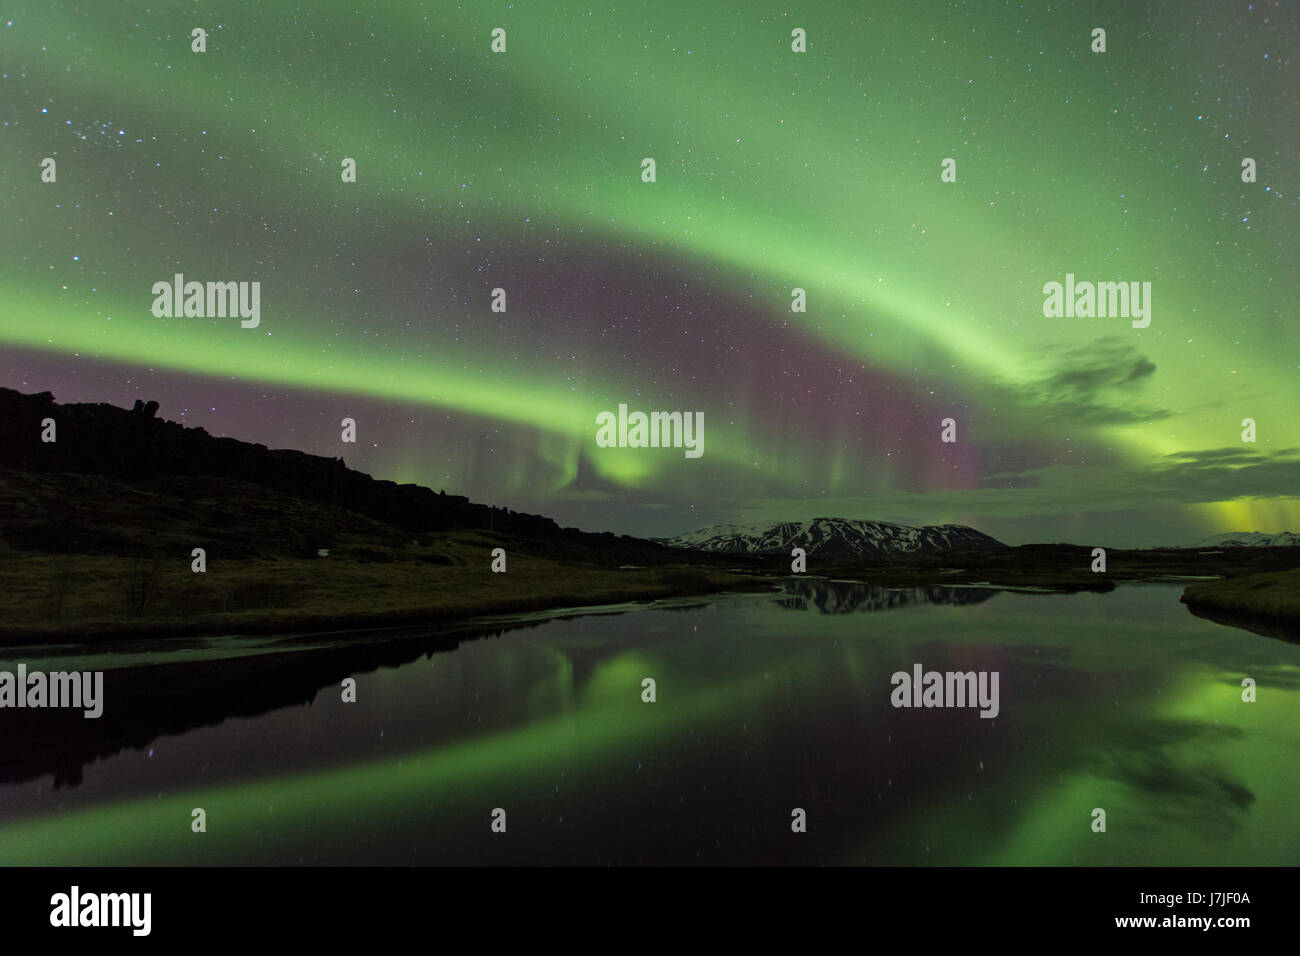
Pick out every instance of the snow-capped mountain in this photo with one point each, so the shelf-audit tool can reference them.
(833, 538)
(1250, 539)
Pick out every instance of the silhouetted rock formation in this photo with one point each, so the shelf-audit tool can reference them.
(101, 439)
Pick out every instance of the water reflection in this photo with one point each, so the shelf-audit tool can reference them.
(1122, 701)
(848, 597)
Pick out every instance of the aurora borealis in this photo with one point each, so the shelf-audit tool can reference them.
(776, 170)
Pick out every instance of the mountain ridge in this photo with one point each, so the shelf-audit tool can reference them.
(833, 538)
(1249, 539)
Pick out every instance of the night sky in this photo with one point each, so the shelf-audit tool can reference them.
(776, 170)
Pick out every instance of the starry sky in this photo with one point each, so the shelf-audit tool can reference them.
(775, 170)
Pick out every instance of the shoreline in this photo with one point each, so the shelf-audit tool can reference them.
(657, 584)
(84, 599)
(1267, 603)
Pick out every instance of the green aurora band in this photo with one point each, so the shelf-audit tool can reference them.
(776, 170)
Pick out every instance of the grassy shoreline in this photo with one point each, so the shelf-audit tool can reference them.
(292, 595)
(100, 598)
(1271, 596)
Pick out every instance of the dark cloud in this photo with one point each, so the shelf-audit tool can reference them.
(1222, 474)
(1096, 385)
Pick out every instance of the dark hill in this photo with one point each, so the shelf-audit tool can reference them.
(136, 446)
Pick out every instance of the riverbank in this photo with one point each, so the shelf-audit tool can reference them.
(1266, 603)
(87, 558)
(90, 598)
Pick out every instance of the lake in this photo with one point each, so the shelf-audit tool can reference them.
(764, 704)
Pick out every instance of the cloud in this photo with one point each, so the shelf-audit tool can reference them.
(1096, 385)
(1222, 474)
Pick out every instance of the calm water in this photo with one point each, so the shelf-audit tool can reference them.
(765, 703)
